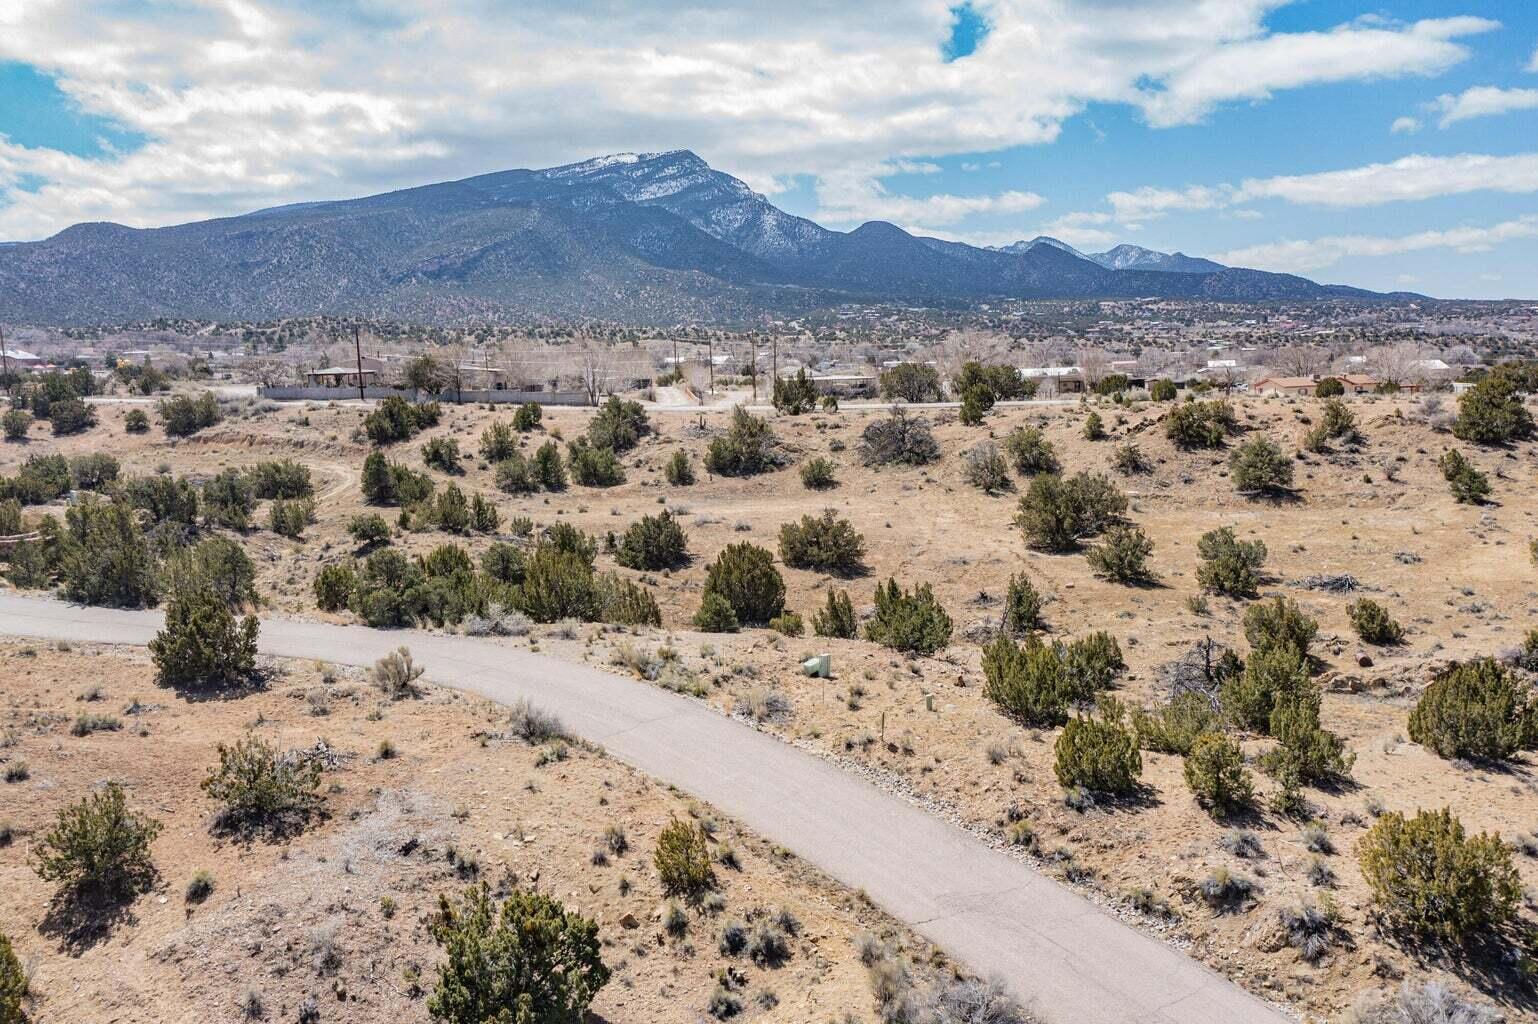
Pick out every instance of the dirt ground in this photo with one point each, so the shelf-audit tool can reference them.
(1458, 577)
(339, 914)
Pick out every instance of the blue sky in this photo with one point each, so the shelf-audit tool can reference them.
(1390, 144)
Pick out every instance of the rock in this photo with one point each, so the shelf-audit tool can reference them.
(1364, 659)
(628, 921)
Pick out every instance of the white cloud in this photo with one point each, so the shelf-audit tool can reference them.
(1481, 101)
(857, 194)
(1405, 126)
(1409, 178)
(1532, 65)
(1147, 203)
(1295, 256)
(248, 103)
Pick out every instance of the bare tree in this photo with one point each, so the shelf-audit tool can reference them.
(595, 362)
(1394, 364)
(1299, 360)
(1093, 365)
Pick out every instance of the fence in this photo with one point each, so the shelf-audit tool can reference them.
(323, 394)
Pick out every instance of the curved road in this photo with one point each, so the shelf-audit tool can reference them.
(1063, 956)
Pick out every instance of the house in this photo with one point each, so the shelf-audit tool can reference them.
(340, 377)
(1061, 380)
(21, 359)
(1290, 386)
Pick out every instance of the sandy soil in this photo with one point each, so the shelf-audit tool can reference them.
(340, 912)
(1458, 577)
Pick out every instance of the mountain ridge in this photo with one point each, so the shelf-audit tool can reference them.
(645, 237)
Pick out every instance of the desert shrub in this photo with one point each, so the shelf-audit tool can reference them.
(220, 564)
(183, 415)
(795, 395)
(203, 646)
(618, 425)
(1249, 696)
(1373, 623)
(503, 563)
(1129, 459)
(1216, 775)
(449, 511)
(748, 448)
(71, 416)
(1468, 485)
(98, 850)
(260, 788)
(1030, 452)
(1174, 728)
(744, 575)
(16, 423)
(1022, 607)
(385, 593)
(975, 403)
(284, 478)
(565, 537)
(594, 467)
(136, 421)
(1122, 556)
(288, 518)
(1028, 682)
(1001, 383)
(1476, 709)
(788, 624)
(527, 959)
(104, 558)
(1094, 427)
(1259, 466)
(1055, 514)
(836, 618)
(11, 521)
(984, 468)
(1491, 413)
(912, 382)
(1200, 424)
(1162, 390)
(910, 621)
(93, 472)
(390, 483)
(557, 584)
(1092, 661)
(1429, 878)
(546, 467)
(825, 543)
(898, 440)
(1337, 422)
(396, 419)
(41, 479)
(1427, 1002)
(626, 603)
(228, 500)
(527, 417)
(334, 586)
(442, 454)
(1307, 751)
(368, 529)
(396, 674)
(514, 476)
(653, 542)
(716, 615)
(680, 472)
(497, 442)
(683, 860)
(818, 474)
(167, 499)
(1098, 754)
(13, 984)
(1229, 566)
(1329, 387)
(1279, 623)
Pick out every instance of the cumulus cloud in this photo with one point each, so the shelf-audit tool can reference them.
(857, 194)
(1305, 256)
(248, 103)
(1532, 65)
(1410, 178)
(1405, 126)
(1482, 101)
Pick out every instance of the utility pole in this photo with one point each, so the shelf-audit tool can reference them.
(357, 348)
(753, 364)
(5, 360)
(774, 371)
(710, 353)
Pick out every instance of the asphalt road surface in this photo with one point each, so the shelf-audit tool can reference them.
(1068, 960)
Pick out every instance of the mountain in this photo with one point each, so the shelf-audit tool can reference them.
(1135, 257)
(647, 238)
(1024, 247)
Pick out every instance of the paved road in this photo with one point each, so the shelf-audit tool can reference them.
(1069, 960)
